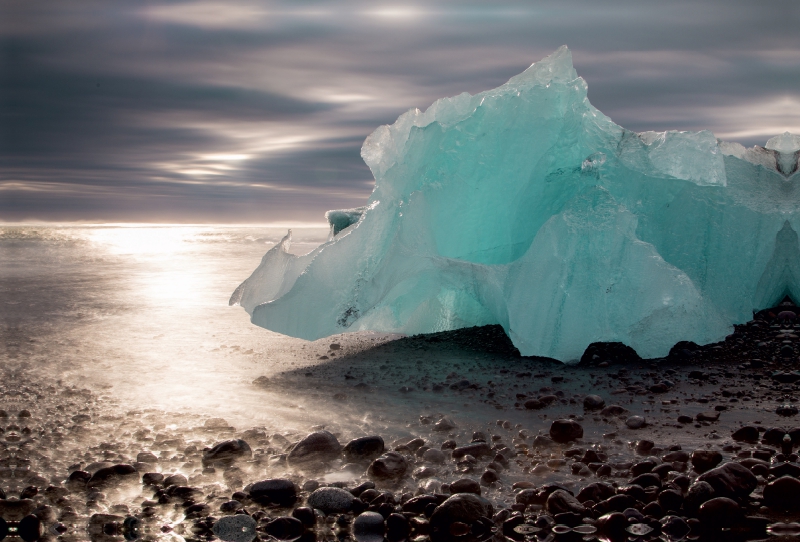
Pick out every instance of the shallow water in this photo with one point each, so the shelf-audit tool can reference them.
(142, 311)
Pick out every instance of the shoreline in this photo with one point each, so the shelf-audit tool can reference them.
(694, 401)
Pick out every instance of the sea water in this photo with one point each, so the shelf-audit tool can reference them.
(141, 311)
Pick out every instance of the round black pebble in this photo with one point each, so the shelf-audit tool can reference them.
(284, 528)
(29, 528)
(397, 528)
(305, 515)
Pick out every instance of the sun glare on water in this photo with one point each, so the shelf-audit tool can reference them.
(142, 240)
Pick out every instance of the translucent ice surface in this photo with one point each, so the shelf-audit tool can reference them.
(525, 206)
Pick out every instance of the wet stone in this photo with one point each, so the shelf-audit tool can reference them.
(719, 512)
(30, 528)
(613, 410)
(229, 507)
(612, 525)
(465, 485)
(175, 480)
(635, 422)
(226, 452)
(747, 433)
(152, 478)
(675, 527)
(364, 448)
(445, 424)
(331, 500)
(464, 508)
(433, 455)
(703, 460)
(369, 527)
(489, 477)
(146, 457)
(593, 402)
(305, 515)
(284, 528)
(478, 450)
(565, 430)
(707, 416)
(316, 448)
(274, 491)
(561, 501)
(389, 466)
(731, 480)
(238, 528)
(397, 528)
(783, 493)
(112, 476)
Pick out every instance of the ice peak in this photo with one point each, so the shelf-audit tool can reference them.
(784, 143)
(554, 68)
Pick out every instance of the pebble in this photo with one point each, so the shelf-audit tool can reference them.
(675, 527)
(305, 515)
(113, 476)
(316, 448)
(730, 480)
(703, 460)
(331, 500)
(146, 457)
(783, 493)
(175, 480)
(238, 528)
(613, 410)
(719, 512)
(397, 528)
(560, 501)
(478, 450)
(284, 528)
(216, 423)
(389, 466)
(593, 402)
(432, 455)
(489, 477)
(230, 506)
(707, 416)
(152, 478)
(465, 485)
(226, 452)
(369, 527)
(635, 422)
(445, 424)
(464, 508)
(747, 433)
(274, 491)
(364, 448)
(562, 431)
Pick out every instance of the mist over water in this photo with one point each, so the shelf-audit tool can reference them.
(142, 311)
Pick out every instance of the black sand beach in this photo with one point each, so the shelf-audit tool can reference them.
(614, 447)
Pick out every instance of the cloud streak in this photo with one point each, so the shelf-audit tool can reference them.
(255, 111)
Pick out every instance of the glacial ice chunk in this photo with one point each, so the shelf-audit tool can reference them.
(525, 206)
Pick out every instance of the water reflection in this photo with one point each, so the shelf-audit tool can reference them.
(142, 310)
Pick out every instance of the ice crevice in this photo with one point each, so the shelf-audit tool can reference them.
(527, 207)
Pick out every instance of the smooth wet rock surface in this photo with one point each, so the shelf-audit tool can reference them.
(331, 499)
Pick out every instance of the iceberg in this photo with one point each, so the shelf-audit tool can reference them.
(525, 206)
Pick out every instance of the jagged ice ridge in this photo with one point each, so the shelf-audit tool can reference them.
(525, 206)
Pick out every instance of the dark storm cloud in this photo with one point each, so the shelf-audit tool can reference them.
(256, 111)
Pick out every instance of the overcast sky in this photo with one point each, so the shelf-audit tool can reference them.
(240, 111)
